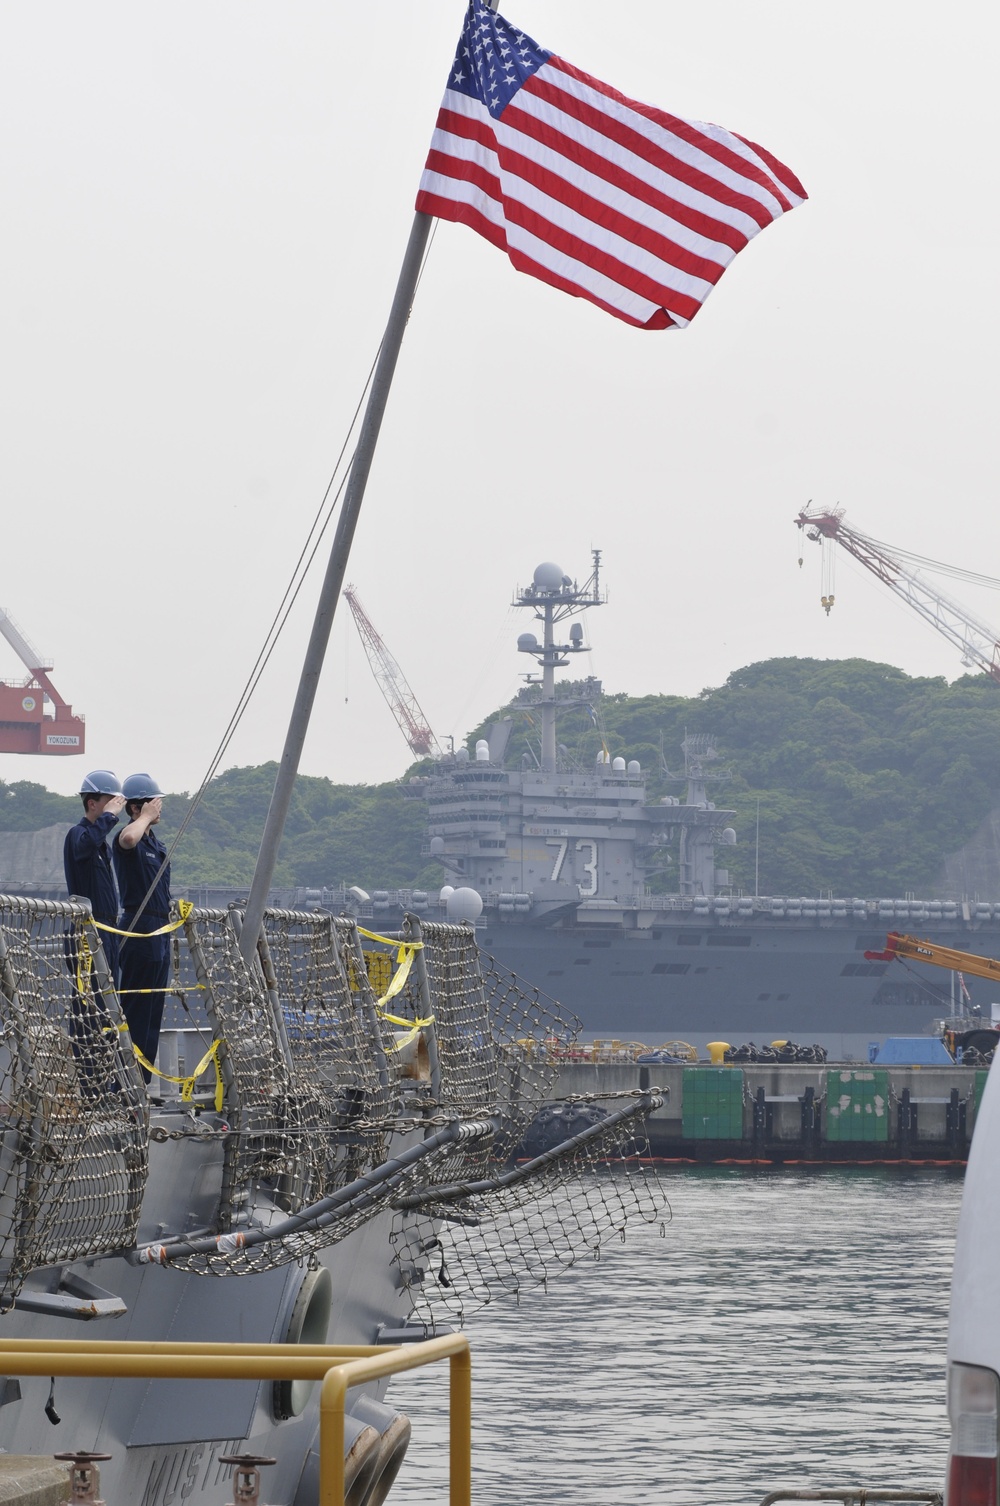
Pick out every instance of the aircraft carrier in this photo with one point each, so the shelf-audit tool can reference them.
(554, 863)
(561, 858)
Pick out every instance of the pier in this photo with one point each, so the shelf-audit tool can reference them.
(792, 1114)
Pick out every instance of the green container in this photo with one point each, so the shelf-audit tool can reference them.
(712, 1103)
(857, 1105)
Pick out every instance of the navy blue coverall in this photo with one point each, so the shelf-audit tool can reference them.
(87, 863)
(144, 963)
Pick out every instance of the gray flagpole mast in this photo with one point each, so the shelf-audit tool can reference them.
(350, 508)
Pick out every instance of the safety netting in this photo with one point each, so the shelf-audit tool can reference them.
(345, 1074)
(421, 1072)
(525, 1225)
(73, 1108)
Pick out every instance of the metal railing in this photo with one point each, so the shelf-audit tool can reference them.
(856, 1496)
(336, 1366)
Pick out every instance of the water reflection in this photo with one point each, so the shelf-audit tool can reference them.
(790, 1329)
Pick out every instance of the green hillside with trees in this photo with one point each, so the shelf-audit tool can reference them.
(866, 779)
(356, 833)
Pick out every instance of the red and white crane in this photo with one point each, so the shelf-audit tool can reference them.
(392, 682)
(25, 724)
(976, 641)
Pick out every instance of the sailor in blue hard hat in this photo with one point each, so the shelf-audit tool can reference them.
(87, 860)
(144, 880)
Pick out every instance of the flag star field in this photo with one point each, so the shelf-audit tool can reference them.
(611, 200)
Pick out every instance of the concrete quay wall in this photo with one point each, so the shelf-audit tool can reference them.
(33, 1480)
(796, 1112)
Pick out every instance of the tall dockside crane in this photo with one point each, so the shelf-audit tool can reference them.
(392, 682)
(25, 725)
(977, 642)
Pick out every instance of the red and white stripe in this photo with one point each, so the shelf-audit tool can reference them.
(611, 200)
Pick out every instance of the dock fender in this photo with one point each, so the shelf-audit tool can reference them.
(555, 1123)
(362, 1451)
(394, 1438)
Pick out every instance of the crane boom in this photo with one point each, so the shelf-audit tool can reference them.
(898, 945)
(392, 682)
(977, 642)
(29, 656)
(25, 727)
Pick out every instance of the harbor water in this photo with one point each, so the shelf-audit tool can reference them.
(788, 1327)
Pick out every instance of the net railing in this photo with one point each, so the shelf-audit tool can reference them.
(348, 1074)
(73, 1110)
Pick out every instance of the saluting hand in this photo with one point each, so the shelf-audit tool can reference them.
(115, 805)
(151, 810)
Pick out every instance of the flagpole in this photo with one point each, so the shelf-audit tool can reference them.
(350, 509)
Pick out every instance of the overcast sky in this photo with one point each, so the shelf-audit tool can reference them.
(205, 206)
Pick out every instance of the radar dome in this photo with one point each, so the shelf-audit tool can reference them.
(548, 577)
(729, 836)
(527, 643)
(446, 893)
(465, 904)
(437, 846)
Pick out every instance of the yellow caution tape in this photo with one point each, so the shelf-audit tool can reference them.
(184, 907)
(168, 988)
(84, 964)
(187, 1084)
(394, 1019)
(412, 1028)
(404, 963)
(414, 946)
(405, 953)
(404, 1041)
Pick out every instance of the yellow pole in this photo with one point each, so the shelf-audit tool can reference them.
(331, 1437)
(255, 1366)
(356, 1373)
(131, 1346)
(358, 1363)
(460, 1431)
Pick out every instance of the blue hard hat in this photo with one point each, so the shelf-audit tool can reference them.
(101, 782)
(140, 787)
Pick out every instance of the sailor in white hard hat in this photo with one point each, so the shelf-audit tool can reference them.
(144, 881)
(87, 858)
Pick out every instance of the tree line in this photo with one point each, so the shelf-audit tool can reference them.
(864, 778)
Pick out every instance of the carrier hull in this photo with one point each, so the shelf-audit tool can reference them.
(761, 981)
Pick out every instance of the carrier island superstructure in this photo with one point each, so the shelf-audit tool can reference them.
(562, 858)
(569, 846)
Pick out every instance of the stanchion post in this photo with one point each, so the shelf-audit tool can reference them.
(331, 1437)
(460, 1440)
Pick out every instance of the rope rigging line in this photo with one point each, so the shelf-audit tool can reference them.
(956, 572)
(301, 569)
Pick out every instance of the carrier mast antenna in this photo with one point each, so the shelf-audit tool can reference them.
(554, 596)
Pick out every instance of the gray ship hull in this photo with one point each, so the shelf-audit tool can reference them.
(166, 1436)
(806, 981)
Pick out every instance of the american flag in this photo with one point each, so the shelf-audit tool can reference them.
(611, 200)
